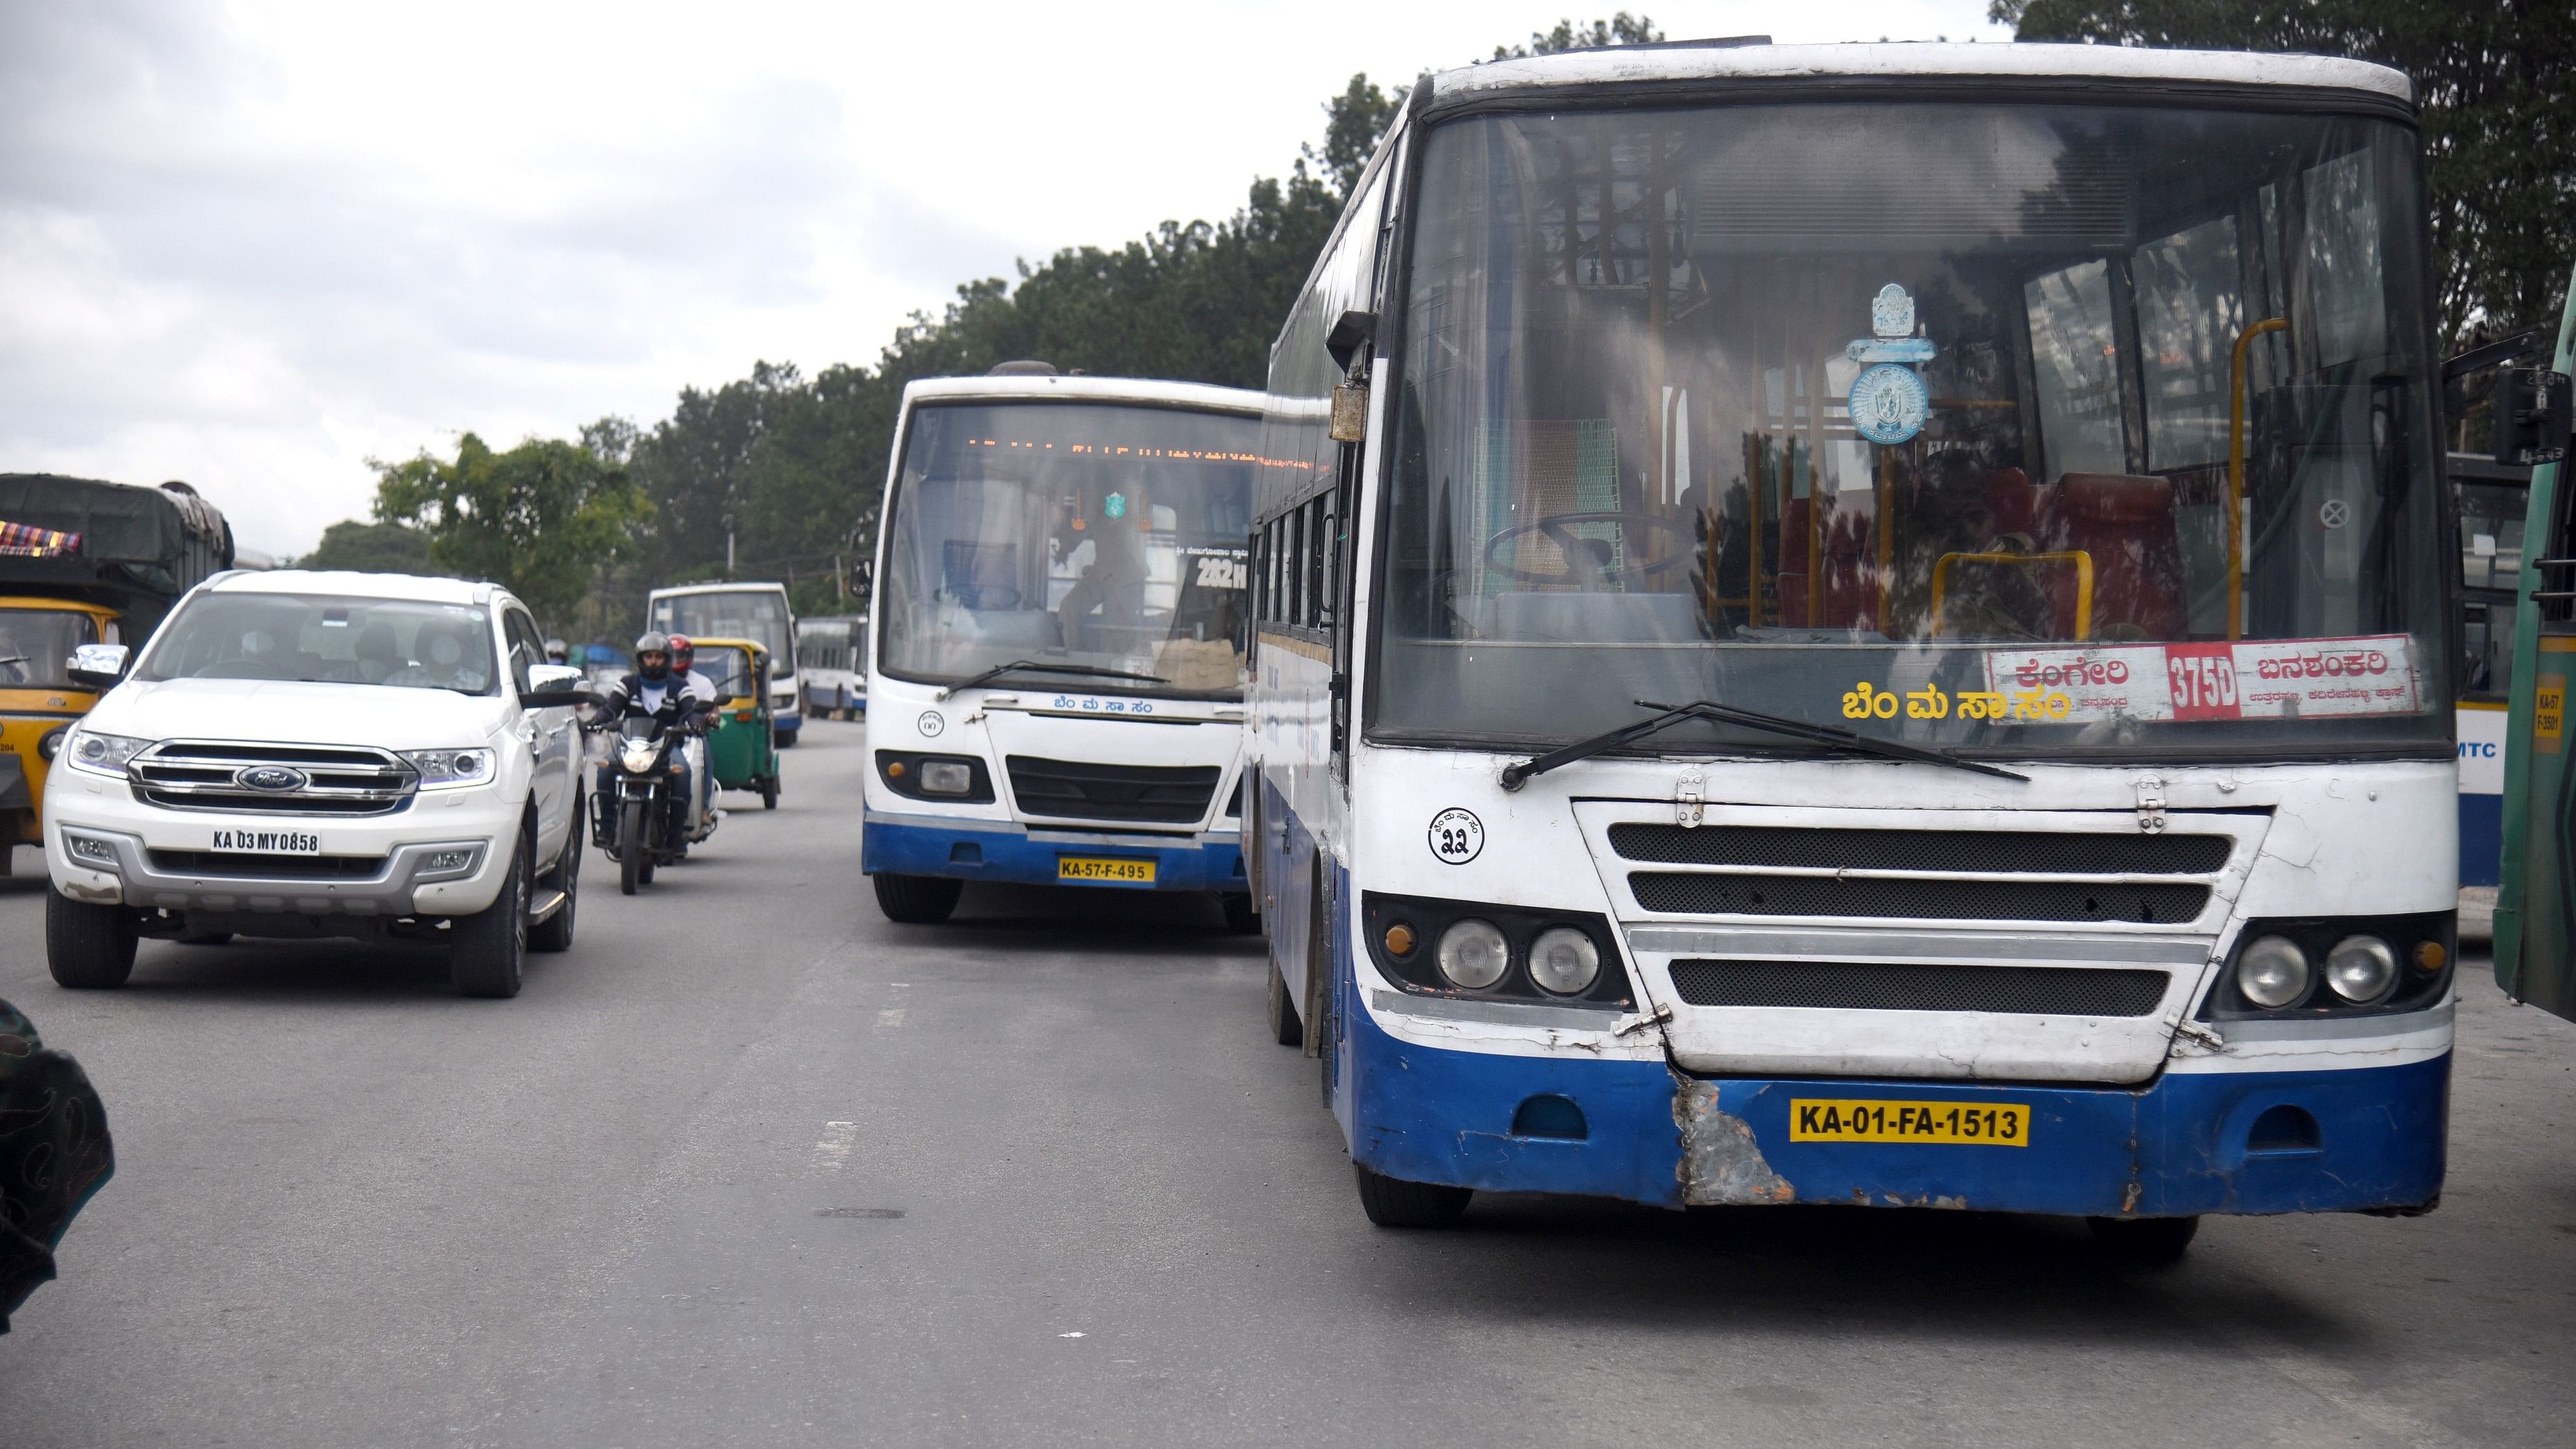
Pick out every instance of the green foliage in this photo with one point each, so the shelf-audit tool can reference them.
(1620, 29)
(2499, 110)
(542, 518)
(371, 548)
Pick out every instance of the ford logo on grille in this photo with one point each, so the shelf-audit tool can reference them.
(274, 779)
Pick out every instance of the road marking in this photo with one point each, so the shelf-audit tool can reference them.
(832, 1153)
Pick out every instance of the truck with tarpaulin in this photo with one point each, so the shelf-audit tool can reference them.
(81, 562)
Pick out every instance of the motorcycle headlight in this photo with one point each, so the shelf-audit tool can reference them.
(101, 754)
(637, 756)
(440, 769)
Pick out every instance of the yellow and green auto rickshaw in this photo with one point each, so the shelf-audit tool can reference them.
(741, 749)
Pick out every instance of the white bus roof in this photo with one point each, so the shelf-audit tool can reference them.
(1146, 391)
(2016, 61)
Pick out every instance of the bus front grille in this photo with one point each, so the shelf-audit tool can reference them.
(2156, 902)
(1078, 790)
(2034, 852)
(1850, 986)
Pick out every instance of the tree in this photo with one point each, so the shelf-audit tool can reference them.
(371, 548)
(542, 518)
(2499, 116)
(1620, 29)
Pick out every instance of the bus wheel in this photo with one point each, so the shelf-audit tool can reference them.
(1392, 1202)
(1240, 917)
(917, 900)
(2146, 1241)
(1285, 1028)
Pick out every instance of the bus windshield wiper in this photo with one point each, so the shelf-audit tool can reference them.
(1672, 714)
(1033, 666)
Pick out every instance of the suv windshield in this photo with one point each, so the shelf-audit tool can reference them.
(1107, 536)
(323, 640)
(36, 646)
(1916, 419)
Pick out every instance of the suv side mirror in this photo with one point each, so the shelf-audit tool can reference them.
(97, 666)
(554, 685)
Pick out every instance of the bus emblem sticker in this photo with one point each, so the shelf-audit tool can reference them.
(931, 723)
(1888, 401)
(1457, 836)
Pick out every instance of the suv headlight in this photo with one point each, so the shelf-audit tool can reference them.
(101, 754)
(440, 769)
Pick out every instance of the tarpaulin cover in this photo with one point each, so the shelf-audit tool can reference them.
(139, 548)
(54, 1155)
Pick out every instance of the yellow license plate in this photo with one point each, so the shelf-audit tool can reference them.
(1095, 867)
(2002, 1124)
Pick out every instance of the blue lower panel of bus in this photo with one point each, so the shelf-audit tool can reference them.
(2481, 839)
(2274, 1142)
(1001, 851)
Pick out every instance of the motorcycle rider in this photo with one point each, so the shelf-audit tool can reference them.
(653, 689)
(703, 694)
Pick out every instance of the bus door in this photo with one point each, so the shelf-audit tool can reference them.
(2535, 927)
(2492, 498)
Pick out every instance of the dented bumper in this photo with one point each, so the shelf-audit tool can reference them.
(2336, 1140)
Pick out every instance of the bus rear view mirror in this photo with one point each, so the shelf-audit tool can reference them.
(2533, 418)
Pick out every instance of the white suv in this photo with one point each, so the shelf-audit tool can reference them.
(321, 754)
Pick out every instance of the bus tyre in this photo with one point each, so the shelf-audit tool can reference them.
(1240, 917)
(554, 933)
(917, 900)
(88, 948)
(632, 868)
(2148, 1242)
(487, 950)
(1392, 1202)
(1285, 1028)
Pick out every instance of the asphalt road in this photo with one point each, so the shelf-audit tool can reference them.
(751, 1165)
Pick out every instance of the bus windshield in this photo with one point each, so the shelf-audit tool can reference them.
(1070, 533)
(758, 614)
(1920, 420)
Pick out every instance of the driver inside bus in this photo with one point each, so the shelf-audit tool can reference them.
(1106, 604)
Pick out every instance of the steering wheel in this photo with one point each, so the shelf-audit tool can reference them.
(1559, 528)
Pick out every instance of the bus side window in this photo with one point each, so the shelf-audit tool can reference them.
(1318, 549)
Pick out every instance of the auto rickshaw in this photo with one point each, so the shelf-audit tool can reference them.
(742, 751)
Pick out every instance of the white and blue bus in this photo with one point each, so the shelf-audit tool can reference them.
(2492, 497)
(1055, 692)
(830, 650)
(1869, 625)
(755, 611)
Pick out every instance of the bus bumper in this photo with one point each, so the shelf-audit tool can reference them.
(2347, 1140)
(1004, 851)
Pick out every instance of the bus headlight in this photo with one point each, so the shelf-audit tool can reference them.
(1565, 961)
(1473, 954)
(947, 777)
(2272, 971)
(2361, 968)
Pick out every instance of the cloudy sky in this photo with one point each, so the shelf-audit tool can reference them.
(252, 245)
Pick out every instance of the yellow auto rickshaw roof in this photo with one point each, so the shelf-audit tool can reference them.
(12, 603)
(708, 641)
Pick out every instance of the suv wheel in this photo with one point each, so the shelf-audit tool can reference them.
(89, 948)
(487, 949)
(554, 933)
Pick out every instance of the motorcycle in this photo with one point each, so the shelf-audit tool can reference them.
(632, 820)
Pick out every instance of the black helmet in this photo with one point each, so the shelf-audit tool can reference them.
(653, 641)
